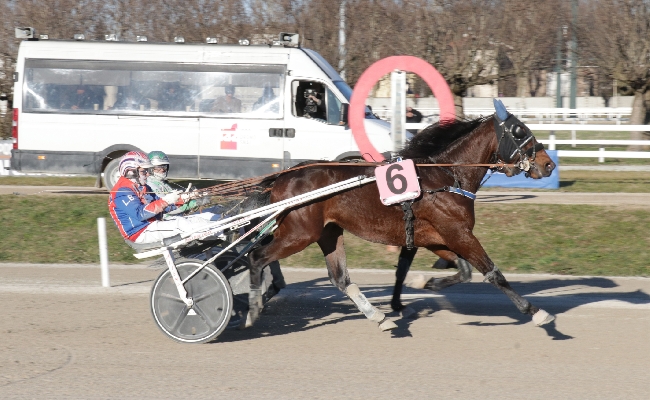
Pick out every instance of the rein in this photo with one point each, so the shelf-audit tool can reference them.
(244, 187)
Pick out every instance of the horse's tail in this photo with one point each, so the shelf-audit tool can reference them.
(261, 192)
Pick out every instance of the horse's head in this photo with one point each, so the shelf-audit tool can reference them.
(517, 145)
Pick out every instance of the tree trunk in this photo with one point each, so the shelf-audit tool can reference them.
(523, 88)
(638, 118)
(458, 105)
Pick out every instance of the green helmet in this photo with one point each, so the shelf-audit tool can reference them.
(158, 158)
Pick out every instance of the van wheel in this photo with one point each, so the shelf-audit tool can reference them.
(111, 174)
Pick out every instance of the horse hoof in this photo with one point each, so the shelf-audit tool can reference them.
(541, 317)
(418, 282)
(387, 325)
(246, 322)
(407, 312)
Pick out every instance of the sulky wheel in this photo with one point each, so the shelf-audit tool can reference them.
(213, 303)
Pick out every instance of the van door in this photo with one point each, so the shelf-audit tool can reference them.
(232, 148)
(314, 130)
(242, 126)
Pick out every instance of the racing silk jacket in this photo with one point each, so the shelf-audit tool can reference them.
(161, 188)
(134, 207)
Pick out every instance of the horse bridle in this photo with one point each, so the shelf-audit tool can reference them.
(512, 137)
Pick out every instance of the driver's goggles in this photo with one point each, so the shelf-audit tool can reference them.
(145, 171)
(162, 168)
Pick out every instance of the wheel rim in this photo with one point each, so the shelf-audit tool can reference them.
(208, 316)
(114, 176)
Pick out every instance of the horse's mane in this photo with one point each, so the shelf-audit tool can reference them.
(426, 145)
(436, 138)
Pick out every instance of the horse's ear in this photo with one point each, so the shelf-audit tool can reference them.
(502, 113)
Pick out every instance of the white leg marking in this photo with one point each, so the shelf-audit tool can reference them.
(387, 325)
(541, 317)
(363, 304)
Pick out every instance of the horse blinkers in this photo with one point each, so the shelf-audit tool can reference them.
(516, 143)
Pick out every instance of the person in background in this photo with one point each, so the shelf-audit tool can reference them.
(228, 103)
(172, 99)
(412, 116)
(129, 99)
(314, 104)
(80, 99)
(267, 97)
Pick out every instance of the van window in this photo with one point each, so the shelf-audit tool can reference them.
(99, 87)
(333, 108)
(315, 100)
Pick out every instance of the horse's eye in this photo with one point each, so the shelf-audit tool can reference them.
(518, 132)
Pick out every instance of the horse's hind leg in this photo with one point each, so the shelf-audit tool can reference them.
(463, 275)
(331, 243)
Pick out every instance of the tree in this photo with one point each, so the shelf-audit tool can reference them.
(616, 35)
(460, 40)
(527, 38)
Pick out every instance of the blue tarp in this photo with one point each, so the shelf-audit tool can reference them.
(520, 181)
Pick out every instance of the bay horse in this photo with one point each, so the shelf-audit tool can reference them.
(443, 219)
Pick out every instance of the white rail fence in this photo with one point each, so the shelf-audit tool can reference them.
(617, 115)
(601, 154)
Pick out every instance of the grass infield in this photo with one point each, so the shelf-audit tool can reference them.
(575, 240)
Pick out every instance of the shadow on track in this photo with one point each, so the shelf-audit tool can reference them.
(312, 304)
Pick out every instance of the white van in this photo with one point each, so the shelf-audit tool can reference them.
(218, 111)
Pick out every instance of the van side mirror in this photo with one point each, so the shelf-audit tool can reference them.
(343, 120)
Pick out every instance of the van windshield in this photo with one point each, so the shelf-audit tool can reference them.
(347, 92)
(100, 87)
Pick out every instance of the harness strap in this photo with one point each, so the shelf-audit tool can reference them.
(455, 190)
(408, 224)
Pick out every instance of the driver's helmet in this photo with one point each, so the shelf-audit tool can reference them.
(159, 159)
(129, 164)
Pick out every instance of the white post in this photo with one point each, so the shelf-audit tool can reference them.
(342, 51)
(602, 158)
(103, 251)
(551, 141)
(398, 103)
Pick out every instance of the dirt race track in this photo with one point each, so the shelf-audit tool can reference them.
(64, 336)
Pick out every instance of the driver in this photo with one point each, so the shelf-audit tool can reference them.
(159, 184)
(137, 210)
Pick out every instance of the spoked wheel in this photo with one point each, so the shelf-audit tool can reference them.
(213, 303)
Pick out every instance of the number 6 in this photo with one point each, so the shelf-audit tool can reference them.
(390, 180)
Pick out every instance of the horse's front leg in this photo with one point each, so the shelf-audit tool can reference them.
(331, 243)
(403, 265)
(468, 247)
